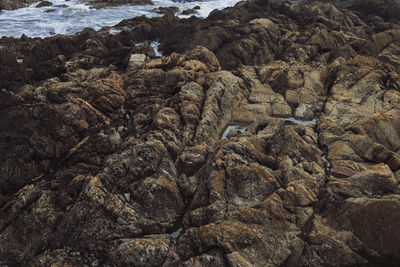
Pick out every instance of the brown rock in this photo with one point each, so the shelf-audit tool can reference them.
(376, 180)
(103, 166)
(365, 216)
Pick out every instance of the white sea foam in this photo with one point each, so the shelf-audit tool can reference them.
(114, 31)
(36, 22)
(155, 46)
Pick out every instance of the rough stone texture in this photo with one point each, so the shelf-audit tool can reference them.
(14, 4)
(44, 3)
(104, 3)
(101, 166)
(136, 61)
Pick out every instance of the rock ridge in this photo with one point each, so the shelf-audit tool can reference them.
(114, 156)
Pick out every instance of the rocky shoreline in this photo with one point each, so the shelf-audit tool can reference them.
(112, 156)
(15, 4)
(97, 4)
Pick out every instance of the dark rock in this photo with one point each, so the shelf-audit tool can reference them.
(11, 5)
(166, 10)
(107, 166)
(188, 11)
(387, 9)
(44, 3)
(97, 4)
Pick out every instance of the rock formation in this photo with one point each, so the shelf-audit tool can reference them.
(14, 4)
(97, 4)
(109, 162)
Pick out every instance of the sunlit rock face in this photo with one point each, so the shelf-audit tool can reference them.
(265, 135)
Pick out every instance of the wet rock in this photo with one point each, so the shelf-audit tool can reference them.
(188, 11)
(44, 3)
(224, 94)
(11, 5)
(125, 162)
(100, 3)
(166, 10)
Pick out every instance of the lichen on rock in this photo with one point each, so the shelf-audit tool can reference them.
(112, 156)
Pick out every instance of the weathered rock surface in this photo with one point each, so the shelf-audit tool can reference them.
(44, 3)
(136, 61)
(103, 3)
(113, 157)
(14, 4)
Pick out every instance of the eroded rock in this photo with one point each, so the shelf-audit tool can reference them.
(111, 156)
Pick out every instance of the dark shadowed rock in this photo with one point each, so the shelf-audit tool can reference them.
(44, 3)
(111, 156)
(14, 4)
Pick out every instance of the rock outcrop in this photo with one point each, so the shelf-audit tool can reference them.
(97, 4)
(14, 4)
(113, 156)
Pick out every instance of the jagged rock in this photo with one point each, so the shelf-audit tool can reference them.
(376, 180)
(224, 94)
(188, 11)
(149, 251)
(11, 5)
(104, 166)
(44, 3)
(325, 244)
(364, 216)
(12, 73)
(388, 9)
(103, 3)
(136, 61)
(166, 10)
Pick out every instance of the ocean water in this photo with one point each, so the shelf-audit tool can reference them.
(177, 233)
(231, 127)
(292, 119)
(38, 22)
